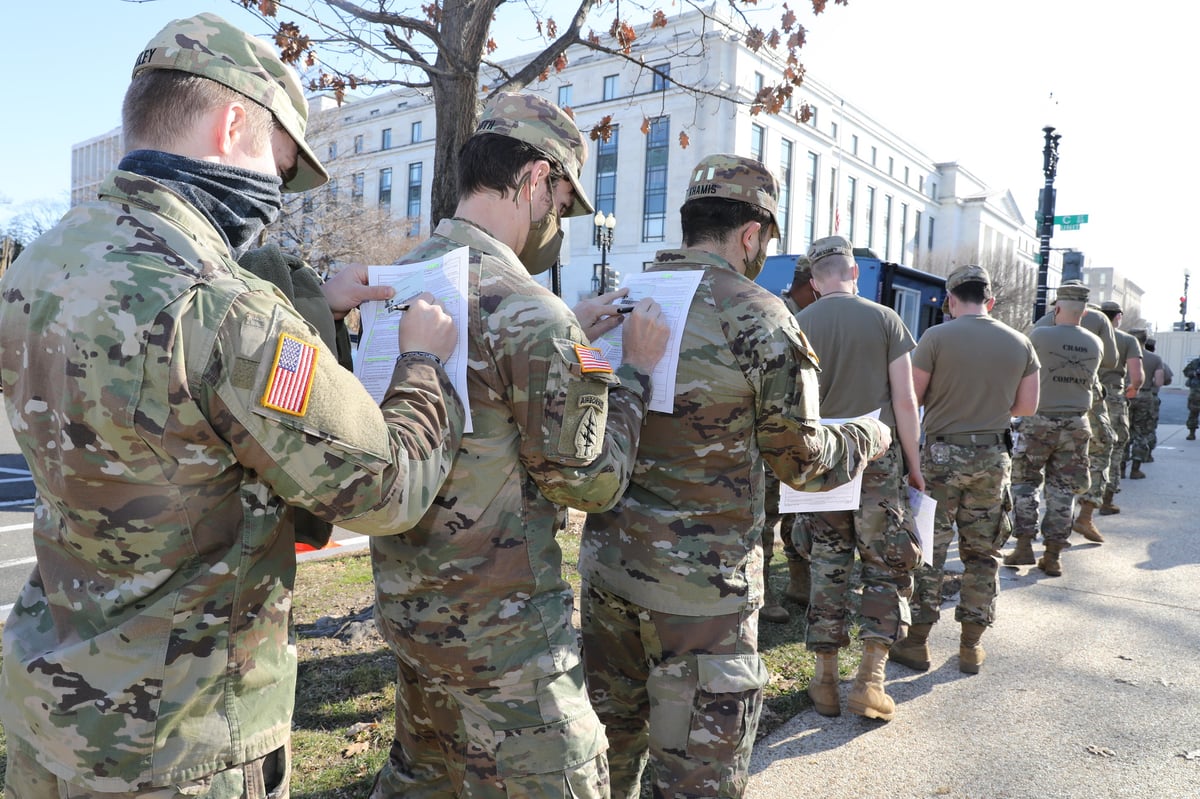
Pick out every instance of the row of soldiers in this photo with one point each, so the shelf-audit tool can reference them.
(1009, 420)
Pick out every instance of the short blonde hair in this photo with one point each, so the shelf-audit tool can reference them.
(161, 104)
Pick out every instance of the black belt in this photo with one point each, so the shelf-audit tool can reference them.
(1062, 414)
(972, 439)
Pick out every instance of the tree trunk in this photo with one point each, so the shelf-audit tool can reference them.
(456, 113)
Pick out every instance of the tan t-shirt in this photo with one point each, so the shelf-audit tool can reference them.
(1070, 357)
(975, 364)
(1127, 347)
(1096, 322)
(856, 340)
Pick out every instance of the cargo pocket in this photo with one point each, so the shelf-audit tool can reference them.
(557, 748)
(903, 547)
(720, 716)
(1005, 528)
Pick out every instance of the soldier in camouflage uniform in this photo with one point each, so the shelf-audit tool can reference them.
(1120, 382)
(972, 375)
(1141, 410)
(490, 699)
(1168, 378)
(798, 296)
(865, 366)
(673, 573)
(1191, 374)
(171, 407)
(1052, 444)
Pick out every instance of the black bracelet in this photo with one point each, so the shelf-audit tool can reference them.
(429, 356)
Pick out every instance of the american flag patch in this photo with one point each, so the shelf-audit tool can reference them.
(291, 376)
(590, 360)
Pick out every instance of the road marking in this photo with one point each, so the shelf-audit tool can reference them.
(5, 564)
(10, 528)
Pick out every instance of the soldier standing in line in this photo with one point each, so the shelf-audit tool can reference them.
(1120, 382)
(173, 408)
(1168, 378)
(490, 698)
(973, 375)
(1191, 374)
(673, 573)
(1141, 410)
(1052, 445)
(865, 367)
(1103, 441)
(798, 296)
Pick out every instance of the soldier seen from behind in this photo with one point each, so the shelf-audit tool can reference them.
(673, 574)
(1142, 407)
(171, 407)
(1120, 383)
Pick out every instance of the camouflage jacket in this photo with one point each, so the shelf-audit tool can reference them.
(475, 591)
(685, 537)
(141, 371)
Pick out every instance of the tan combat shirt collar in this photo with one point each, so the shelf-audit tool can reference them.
(144, 192)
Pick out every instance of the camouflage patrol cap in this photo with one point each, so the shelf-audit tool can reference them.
(1111, 307)
(539, 122)
(1140, 333)
(969, 273)
(1072, 291)
(830, 245)
(733, 177)
(208, 46)
(803, 272)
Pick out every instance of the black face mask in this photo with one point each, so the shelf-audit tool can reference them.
(239, 202)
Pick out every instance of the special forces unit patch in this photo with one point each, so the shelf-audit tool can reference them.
(291, 376)
(590, 417)
(590, 360)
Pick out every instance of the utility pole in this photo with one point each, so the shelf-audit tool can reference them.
(1046, 208)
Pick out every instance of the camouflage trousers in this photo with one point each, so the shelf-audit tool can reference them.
(1051, 451)
(268, 777)
(1118, 414)
(680, 693)
(1156, 408)
(1141, 426)
(785, 521)
(881, 532)
(495, 740)
(972, 492)
(1193, 405)
(1100, 451)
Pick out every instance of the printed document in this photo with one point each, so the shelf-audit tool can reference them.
(923, 507)
(844, 497)
(673, 291)
(446, 279)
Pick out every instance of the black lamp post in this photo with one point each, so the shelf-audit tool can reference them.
(605, 227)
(1046, 210)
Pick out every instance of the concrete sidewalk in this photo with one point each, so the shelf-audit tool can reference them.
(1091, 686)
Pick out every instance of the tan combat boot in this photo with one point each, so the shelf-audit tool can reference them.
(1023, 554)
(1135, 471)
(823, 690)
(1084, 524)
(799, 582)
(1108, 508)
(913, 649)
(771, 610)
(1049, 562)
(970, 653)
(867, 697)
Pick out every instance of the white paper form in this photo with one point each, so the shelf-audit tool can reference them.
(674, 292)
(379, 346)
(845, 497)
(923, 509)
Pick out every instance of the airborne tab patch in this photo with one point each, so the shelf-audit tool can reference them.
(291, 376)
(590, 360)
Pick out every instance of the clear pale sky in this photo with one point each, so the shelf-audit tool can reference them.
(963, 80)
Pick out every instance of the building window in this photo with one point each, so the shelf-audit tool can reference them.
(606, 173)
(933, 191)
(416, 132)
(810, 202)
(358, 143)
(759, 82)
(610, 87)
(833, 130)
(661, 81)
(385, 140)
(654, 215)
(564, 96)
(930, 244)
(891, 165)
(854, 144)
(757, 135)
(903, 229)
(887, 227)
(332, 189)
(784, 206)
(356, 191)
(870, 216)
(852, 198)
(905, 176)
(332, 150)
(835, 214)
(414, 198)
(385, 186)
(916, 236)
(812, 118)
(874, 155)
(921, 183)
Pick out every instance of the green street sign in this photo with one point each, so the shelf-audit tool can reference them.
(1071, 222)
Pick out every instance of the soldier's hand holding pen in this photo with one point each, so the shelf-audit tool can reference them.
(600, 314)
(644, 335)
(425, 326)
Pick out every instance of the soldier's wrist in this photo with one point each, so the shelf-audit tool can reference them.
(428, 356)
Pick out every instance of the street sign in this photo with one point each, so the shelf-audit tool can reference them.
(1071, 222)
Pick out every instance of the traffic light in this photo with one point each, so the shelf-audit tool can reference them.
(1183, 306)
